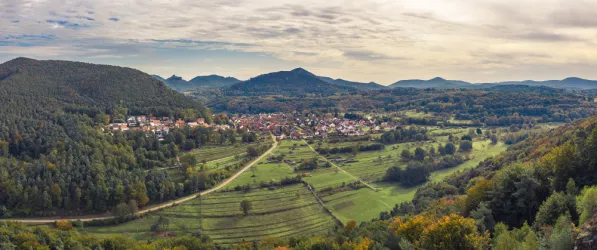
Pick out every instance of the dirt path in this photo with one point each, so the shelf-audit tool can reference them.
(154, 207)
(334, 165)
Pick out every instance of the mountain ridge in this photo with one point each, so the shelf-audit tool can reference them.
(199, 82)
(297, 81)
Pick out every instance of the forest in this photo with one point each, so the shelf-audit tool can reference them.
(56, 157)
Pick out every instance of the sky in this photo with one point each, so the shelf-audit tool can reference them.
(360, 40)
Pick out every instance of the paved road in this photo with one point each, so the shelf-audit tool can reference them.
(334, 165)
(154, 207)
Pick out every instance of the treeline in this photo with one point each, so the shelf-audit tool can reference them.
(312, 164)
(400, 135)
(350, 149)
(417, 172)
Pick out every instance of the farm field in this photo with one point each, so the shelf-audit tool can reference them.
(224, 162)
(263, 171)
(365, 204)
(287, 211)
(212, 153)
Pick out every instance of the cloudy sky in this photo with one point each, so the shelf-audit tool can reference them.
(361, 40)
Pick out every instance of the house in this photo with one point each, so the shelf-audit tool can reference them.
(295, 135)
(155, 123)
(192, 124)
(179, 123)
(201, 121)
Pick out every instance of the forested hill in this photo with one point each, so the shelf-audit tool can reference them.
(295, 82)
(89, 87)
(356, 85)
(56, 157)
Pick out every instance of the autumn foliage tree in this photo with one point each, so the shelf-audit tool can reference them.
(453, 232)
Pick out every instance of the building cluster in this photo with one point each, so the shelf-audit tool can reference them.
(160, 126)
(282, 125)
(293, 126)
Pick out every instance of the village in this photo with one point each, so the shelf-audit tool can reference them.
(282, 125)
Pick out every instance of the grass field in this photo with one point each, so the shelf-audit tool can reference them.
(226, 161)
(263, 172)
(213, 152)
(285, 212)
(365, 204)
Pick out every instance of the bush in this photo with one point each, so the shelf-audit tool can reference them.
(64, 225)
(466, 146)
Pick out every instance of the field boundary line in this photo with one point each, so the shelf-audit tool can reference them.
(324, 206)
(334, 165)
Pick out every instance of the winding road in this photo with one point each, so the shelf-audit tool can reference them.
(153, 207)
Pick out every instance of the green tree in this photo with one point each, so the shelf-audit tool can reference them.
(246, 206)
(556, 205)
(450, 149)
(561, 237)
(405, 154)
(466, 146)
(133, 207)
(420, 154)
(252, 152)
(586, 203)
(121, 210)
(494, 139)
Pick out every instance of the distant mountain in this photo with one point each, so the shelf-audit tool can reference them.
(199, 82)
(441, 83)
(438, 83)
(213, 81)
(297, 81)
(525, 89)
(357, 85)
(571, 83)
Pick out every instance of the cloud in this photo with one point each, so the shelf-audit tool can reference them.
(359, 40)
(369, 56)
(545, 37)
(66, 24)
(582, 15)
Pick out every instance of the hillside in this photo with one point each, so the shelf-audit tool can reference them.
(356, 85)
(56, 155)
(99, 88)
(295, 82)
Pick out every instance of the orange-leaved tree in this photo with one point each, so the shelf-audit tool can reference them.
(453, 232)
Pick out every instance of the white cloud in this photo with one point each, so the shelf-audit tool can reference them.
(379, 40)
